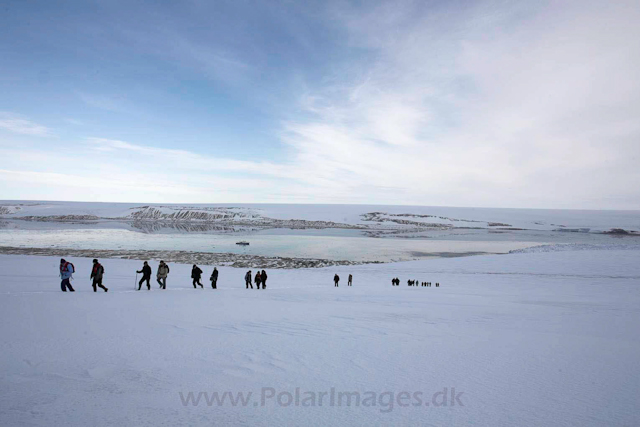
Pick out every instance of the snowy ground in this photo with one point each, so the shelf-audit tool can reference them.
(538, 339)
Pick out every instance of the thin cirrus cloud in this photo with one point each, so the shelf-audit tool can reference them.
(18, 124)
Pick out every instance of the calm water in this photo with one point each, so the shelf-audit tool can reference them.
(327, 244)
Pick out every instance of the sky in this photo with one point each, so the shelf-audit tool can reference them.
(514, 104)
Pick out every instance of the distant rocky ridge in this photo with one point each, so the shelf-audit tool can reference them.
(230, 219)
(60, 218)
(185, 257)
(186, 214)
(149, 218)
(9, 210)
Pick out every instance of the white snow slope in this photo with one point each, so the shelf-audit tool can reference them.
(532, 339)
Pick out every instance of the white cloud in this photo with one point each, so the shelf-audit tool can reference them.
(17, 124)
(525, 106)
(521, 105)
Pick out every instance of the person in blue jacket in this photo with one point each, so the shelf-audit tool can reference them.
(66, 272)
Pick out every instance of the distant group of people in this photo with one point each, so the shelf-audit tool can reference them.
(416, 283)
(336, 280)
(260, 279)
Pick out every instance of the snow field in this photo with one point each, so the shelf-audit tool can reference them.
(528, 339)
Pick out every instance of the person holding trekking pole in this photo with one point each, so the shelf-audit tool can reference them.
(146, 276)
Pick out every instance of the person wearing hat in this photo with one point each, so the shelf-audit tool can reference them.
(96, 274)
(66, 273)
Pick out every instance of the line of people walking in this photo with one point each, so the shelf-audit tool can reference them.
(260, 279)
(396, 282)
(97, 274)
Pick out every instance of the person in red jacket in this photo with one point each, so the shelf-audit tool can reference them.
(96, 274)
(258, 279)
(66, 273)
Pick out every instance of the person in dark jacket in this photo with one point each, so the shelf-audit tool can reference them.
(258, 280)
(96, 274)
(263, 276)
(336, 279)
(350, 280)
(66, 274)
(247, 280)
(146, 275)
(214, 278)
(196, 274)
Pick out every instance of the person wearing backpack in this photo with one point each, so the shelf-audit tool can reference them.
(214, 278)
(66, 273)
(263, 276)
(96, 274)
(146, 276)
(257, 279)
(196, 273)
(163, 272)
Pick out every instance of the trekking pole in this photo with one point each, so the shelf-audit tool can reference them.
(136, 282)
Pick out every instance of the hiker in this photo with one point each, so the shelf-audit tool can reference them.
(163, 272)
(263, 276)
(146, 275)
(336, 279)
(350, 280)
(96, 274)
(66, 274)
(247, 279)
(258, 279)
(196, 273)
(214, 278)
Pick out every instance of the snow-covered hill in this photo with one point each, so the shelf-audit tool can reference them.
(524, 339)
(393, 219)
